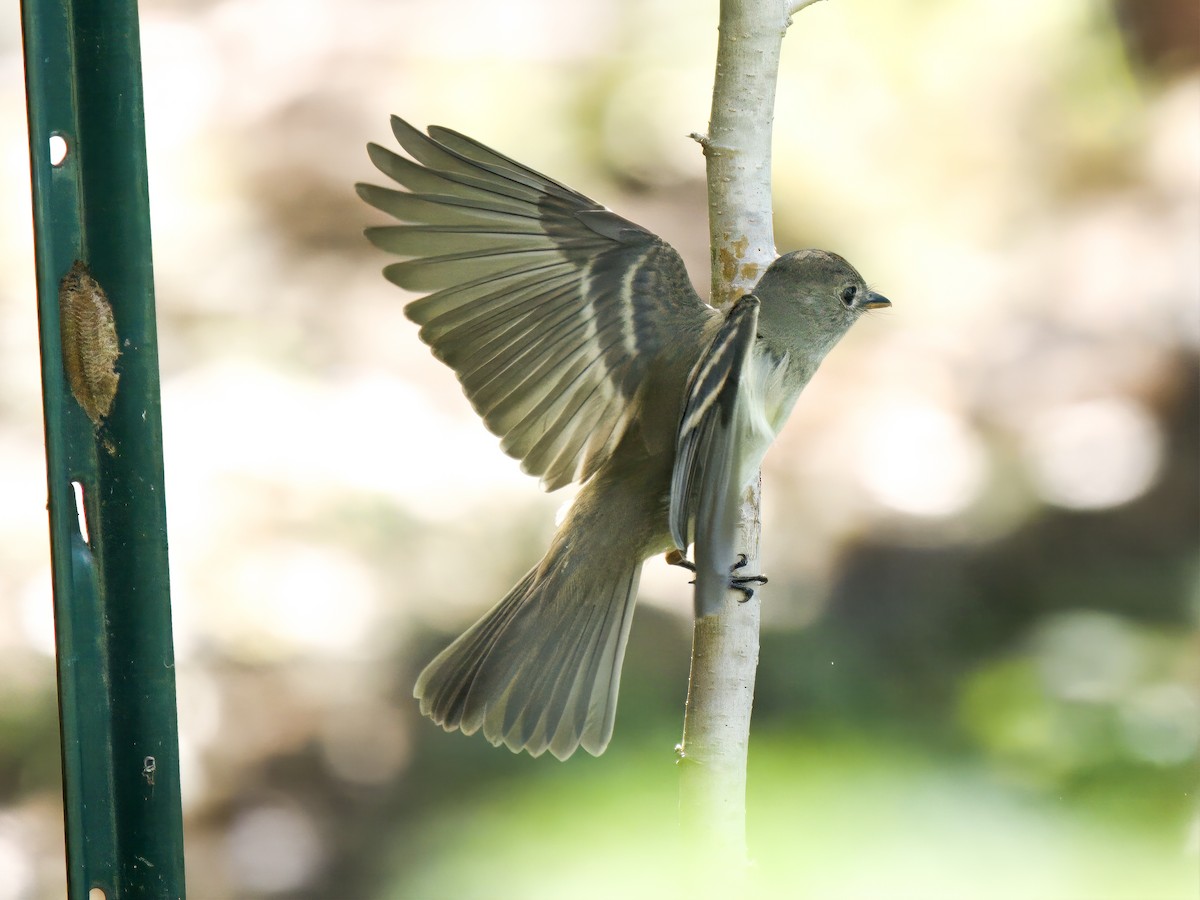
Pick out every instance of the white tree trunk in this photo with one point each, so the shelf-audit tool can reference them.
(716, 729)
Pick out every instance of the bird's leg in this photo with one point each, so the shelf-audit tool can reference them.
(742, 582)
(677, 558)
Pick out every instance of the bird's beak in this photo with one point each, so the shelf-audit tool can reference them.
(876, 301)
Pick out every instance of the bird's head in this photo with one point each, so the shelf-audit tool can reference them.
(810, 298)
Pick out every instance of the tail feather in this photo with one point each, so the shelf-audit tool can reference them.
(450, 697)
(611, 636)
(540, 671)
(581, 681)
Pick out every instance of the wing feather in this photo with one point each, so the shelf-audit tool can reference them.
(548, 306)
(705, 484)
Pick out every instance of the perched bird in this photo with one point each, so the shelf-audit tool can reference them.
(579, 339)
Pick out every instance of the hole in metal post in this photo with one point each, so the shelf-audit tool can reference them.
(58, 149)
(81, 510)
(97, 893)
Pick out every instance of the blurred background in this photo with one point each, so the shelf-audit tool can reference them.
(979, 666)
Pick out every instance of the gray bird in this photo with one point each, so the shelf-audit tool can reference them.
(579, 339)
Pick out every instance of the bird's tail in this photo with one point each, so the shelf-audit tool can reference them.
(540, 671)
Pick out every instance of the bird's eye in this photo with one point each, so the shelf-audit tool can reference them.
(849, 293)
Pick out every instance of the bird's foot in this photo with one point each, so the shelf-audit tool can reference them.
(736, 582)
(742, 582)
(677, 558)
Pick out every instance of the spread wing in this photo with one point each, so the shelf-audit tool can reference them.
(548, 306)
(706, 484)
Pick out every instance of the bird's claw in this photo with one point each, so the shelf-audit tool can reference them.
(742, 582)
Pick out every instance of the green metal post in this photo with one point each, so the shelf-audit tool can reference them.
(112, 610)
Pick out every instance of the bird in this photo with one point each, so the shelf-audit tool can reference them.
(579, 339)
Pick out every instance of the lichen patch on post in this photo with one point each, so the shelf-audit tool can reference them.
(89, 341)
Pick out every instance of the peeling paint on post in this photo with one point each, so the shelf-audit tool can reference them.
(89, 342)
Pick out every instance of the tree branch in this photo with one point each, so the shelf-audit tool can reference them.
(799, 5)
